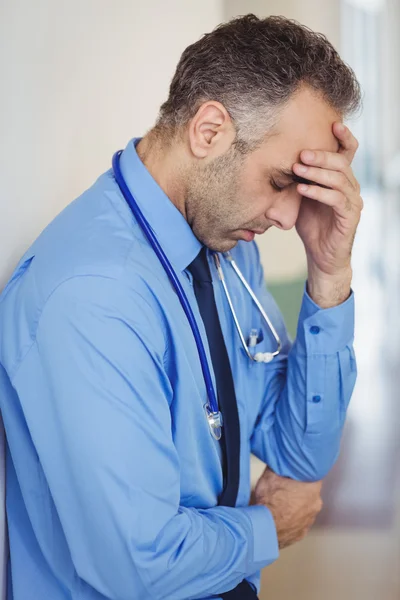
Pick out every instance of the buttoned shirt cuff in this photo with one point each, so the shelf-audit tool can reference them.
(265, 540)
(325, 330)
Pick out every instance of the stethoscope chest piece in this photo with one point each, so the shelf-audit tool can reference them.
(214, 420)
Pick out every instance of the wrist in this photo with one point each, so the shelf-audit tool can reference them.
(329, 290)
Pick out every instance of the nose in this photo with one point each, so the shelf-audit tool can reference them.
(284, 212)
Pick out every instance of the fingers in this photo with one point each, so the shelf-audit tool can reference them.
(348, 143)
(336, 180)
(341, 203)
(335, 161)
(332, 161)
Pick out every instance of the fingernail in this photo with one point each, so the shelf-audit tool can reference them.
(308, 155)
(303, 188)
(301, 169)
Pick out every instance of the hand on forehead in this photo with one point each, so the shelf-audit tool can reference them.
(306, 123)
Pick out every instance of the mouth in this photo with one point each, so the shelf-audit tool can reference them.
(248, 235)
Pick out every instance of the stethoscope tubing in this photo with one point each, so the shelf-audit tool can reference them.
(147, 230)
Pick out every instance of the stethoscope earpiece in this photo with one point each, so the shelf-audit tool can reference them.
(260, 357)
(264, 357)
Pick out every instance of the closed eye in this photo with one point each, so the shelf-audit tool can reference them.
(276, 186)
(294, 179)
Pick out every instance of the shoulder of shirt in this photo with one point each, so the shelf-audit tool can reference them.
(93, 244)
(95, 235)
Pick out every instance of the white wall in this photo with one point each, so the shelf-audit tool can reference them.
(282, 253)
(390, 84)
(78, 80)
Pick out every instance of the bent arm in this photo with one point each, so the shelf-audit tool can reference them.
(307, 390)
(96, 399)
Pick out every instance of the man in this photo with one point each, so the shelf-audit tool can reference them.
(116, 489)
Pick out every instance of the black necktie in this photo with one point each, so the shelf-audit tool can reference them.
(230, 440)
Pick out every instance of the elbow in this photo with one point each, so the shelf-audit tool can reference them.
(308, 464)
(317, 466)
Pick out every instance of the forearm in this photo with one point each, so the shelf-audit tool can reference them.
(208, 552)
(302, 440)
(326, 290)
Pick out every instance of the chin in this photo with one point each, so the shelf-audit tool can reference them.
(217, 243)
(221, 245)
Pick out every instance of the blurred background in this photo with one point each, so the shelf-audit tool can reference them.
(80, 78)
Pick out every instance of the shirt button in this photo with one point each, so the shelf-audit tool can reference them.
(315, 330)
(316, 399)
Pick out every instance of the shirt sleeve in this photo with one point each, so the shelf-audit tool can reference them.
(96, 399)
(307, 391)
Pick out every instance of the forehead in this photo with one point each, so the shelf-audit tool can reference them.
(304, 124)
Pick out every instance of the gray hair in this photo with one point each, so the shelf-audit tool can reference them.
(253, 66)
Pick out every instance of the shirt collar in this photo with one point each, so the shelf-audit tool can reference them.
(169, 225)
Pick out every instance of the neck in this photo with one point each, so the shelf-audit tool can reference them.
(163, 163)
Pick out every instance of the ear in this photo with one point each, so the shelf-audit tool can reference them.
(211, 131)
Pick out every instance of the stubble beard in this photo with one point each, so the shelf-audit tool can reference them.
(212, 195)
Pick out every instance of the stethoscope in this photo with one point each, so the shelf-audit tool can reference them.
(213, 414)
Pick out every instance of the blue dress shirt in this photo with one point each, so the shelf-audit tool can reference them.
(112, 474)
